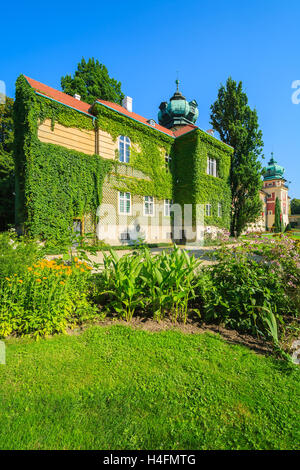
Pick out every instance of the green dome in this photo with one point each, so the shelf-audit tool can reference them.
(178, 107)
(178, 112)
(273, 170)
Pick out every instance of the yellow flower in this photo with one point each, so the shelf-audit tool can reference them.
(7, 278)
(76, 259)
(44, 277)
(29, 269)
(62, 283)
(38, 280)
(20, 281)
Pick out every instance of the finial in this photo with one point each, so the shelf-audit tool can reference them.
(177, 81)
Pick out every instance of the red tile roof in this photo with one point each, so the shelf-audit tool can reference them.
(184, 130)
(59, 96)
(79, 105)
(136, 117)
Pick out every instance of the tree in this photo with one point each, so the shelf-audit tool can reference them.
(237, 125)
(91, 81)
(278, 216)
(6, 164)
(295, 206)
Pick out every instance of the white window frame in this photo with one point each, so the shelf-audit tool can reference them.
(167, 207)
(211, 167)
(219, 209)
(208, 210)
(124, 156)
(123, 196)
(150, 202)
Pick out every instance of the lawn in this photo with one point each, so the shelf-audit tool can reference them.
(119, 388)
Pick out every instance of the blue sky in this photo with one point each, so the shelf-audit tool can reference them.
(143, 44)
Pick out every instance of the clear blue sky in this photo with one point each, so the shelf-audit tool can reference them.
(143, 44)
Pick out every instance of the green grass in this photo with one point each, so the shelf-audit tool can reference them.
(119, 388)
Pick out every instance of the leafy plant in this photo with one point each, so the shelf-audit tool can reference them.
(46, 298)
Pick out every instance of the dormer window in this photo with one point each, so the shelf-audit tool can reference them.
(151, 122)
(124, 149)
(211, 166)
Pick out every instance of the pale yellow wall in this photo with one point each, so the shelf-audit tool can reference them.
(106, 146)
(81, 140)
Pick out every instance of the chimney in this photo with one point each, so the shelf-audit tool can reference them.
(77, 97)
(210, 132)
(127, 103)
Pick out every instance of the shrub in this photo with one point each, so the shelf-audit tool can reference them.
(45, 299)
(251, 283)
(16, 254)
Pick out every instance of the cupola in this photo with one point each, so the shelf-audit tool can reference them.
(178, 112)
(273, 170)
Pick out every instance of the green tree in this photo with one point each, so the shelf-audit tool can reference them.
(278, 216)
(237, 124)
(6, 164)
(295, 206)
(92, 81)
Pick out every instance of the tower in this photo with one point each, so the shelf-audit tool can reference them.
(275, 186)
(178, 112)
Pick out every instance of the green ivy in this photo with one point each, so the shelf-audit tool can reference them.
(53, 184)
(191, 183)
(147, 154)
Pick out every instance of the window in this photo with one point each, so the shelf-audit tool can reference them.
(168, 160)
(124, 149)
(148, 205)
(208, 209)
(211, 166)
(219, 210)
(124, 203)
(167, 206)
(124, 236)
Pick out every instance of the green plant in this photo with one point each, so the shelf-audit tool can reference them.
(16, 254)
(162, 284)
(120, 281)
(45, 299)
(239, 289)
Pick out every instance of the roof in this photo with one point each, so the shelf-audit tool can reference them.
(59, 96)
(184, 130)
(81, 106)
(120, 109)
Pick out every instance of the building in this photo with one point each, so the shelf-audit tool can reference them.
(274, 186)
(105, 170)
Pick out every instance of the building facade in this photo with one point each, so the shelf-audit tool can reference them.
(274, 186)
(105, 170)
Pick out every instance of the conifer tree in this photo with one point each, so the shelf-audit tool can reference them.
(237, 125)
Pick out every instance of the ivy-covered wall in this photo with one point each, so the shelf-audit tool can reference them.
(55, 184)
(192, 185)
(148, 150)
